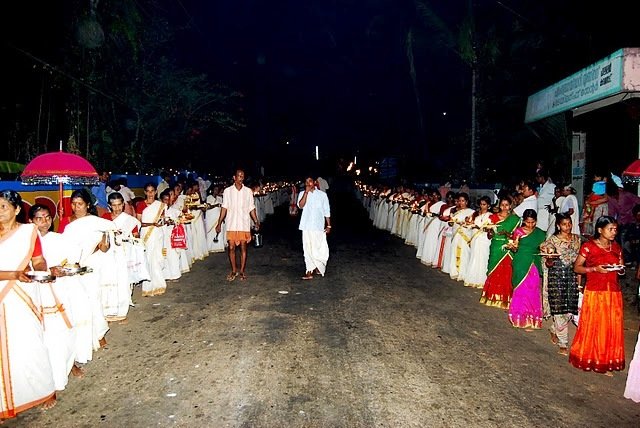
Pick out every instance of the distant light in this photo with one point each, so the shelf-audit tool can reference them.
(317, 154)
(350, 167)
(444, 113)
(370, 168)
(358, 172)
(355, 159)
(287, 143)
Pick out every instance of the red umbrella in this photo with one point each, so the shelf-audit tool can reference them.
(59, 168)
(632, 173)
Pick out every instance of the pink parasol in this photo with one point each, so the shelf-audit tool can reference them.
(59, 168)
(632, 173)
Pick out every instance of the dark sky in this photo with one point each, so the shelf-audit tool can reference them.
(327, 73)
(335, 73)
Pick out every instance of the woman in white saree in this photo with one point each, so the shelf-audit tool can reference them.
(152, 235)
(461, 238)
(475, 273)
(177, 204)
(199, 236)
(26, 379)
(60, 300)
(432, 227)
(91, 234)
(215, 241)
(432, 241)
(116, 292)
(171, 267)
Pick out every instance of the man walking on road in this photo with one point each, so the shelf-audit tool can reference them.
(315, 224)
(238, 208)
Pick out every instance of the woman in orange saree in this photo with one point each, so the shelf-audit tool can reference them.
(599, 341)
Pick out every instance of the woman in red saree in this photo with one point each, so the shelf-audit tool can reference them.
(599, 341)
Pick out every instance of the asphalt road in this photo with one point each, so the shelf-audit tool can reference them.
(381, 341)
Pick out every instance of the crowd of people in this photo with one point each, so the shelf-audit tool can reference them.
(532, 254)
(61, 289)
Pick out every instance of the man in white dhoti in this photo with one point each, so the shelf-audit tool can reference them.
(315, 224)
(238, 209)
(546, 192)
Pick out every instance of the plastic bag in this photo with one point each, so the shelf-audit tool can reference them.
(178, 237)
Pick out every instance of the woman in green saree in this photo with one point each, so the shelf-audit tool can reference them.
(525, 310)
(497, 288)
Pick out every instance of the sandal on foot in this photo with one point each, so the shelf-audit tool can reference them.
(232, 276)
(243, 277)
(308, 275)
(554, 338)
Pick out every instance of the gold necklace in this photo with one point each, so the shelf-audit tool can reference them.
(603, 247)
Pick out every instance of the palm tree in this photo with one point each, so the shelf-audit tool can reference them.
(464, 43)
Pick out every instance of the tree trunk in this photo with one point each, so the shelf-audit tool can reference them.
(416, 92)
(46, 137)
(87, 127)
(474, 119)
(40, 112)
(474, 96)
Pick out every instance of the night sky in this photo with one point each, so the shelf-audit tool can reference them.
(336, 73)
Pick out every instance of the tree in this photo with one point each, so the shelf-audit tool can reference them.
(124, 101)
(468, 47)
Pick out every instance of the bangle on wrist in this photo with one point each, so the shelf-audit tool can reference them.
(328, 227)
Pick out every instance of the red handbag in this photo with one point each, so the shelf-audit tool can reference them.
(178, 237)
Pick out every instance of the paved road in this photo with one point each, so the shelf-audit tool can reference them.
(381, 341)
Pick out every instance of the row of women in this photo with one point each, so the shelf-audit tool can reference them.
(520, 269)
(51, 328)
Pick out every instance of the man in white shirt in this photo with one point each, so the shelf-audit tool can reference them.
(315, 224)
(120, 186)
(238, 209)
(323, 184)
(530, 200)
(164, 183)
(545, 199)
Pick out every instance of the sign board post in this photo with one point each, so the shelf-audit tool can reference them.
(578, 161)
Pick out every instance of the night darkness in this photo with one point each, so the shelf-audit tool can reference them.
(335, 74)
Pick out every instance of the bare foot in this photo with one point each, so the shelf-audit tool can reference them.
(50, 403)
(528, 330)
(563, 351)
(102, 342)
(124, 321)
(608, 374)
(77, 372)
